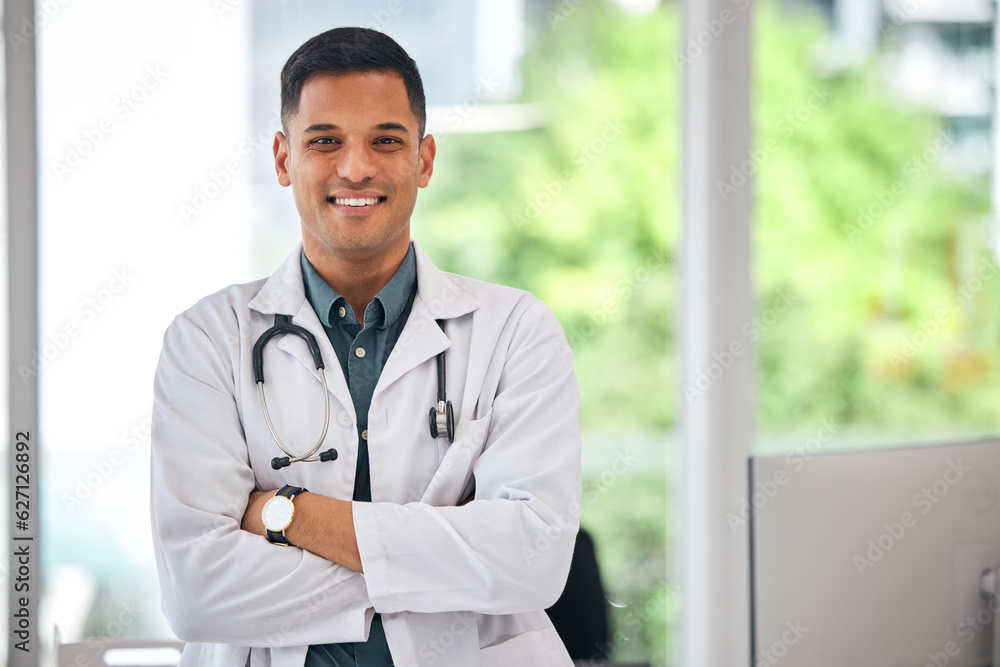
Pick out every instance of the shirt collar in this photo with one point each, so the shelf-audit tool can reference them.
(385, 308)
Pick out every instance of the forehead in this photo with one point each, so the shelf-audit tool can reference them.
(354, 100)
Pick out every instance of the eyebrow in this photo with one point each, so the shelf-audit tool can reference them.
(391, 126)
(329, 127)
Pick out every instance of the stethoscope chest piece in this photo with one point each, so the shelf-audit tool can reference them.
(442, 421)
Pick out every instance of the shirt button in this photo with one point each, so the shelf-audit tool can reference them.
(343, 418)
(364, 434)
(360, 352)
(342, 312)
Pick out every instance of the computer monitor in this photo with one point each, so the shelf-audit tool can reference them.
(874, 557)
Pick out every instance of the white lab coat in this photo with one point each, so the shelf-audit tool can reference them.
(456, 585)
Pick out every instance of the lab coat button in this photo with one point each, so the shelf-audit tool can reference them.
(360, 352)
(343, 418)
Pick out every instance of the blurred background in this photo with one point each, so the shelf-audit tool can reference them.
(559, 133)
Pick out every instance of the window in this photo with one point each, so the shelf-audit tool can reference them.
(555, 145)
(875, 246)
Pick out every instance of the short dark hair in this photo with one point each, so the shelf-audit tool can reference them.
(345, 51)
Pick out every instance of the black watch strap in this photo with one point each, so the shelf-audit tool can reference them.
(290, 490)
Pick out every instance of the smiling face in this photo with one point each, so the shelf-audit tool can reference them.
(354, 161)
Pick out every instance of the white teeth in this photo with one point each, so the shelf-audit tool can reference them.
(368, 201)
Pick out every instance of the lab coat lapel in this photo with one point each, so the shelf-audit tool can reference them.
(438, 298)
(284, 293)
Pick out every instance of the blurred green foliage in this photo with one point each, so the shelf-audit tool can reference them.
(876, 300)
(627, 520)
(883, 247)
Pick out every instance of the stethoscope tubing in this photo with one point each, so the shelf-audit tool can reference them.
(441, 419)
(308, 456)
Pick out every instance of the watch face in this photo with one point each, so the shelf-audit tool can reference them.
(277, 513)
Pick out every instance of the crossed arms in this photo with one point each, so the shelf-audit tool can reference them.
(505, 552)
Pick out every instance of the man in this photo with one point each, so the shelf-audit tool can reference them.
(406, 548)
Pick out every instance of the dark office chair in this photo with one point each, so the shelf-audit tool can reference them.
(581, 613)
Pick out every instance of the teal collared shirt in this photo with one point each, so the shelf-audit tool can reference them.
(362, 353)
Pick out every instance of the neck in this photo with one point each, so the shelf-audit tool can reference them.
(358, 277)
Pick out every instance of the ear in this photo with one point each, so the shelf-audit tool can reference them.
(427, 152)
(282, 159)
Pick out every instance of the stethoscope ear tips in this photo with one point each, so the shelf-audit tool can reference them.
(279, 462)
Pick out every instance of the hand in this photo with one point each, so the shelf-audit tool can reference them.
(251, 518)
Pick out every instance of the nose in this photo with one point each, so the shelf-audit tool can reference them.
(355, 163)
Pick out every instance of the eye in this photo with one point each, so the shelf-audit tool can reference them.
(391, 143)
(323, 143)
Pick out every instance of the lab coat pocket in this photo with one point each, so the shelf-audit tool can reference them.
(452, 483)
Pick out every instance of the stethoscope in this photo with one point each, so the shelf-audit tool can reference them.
(441, 418)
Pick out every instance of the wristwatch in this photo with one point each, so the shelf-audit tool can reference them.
(277, 514)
